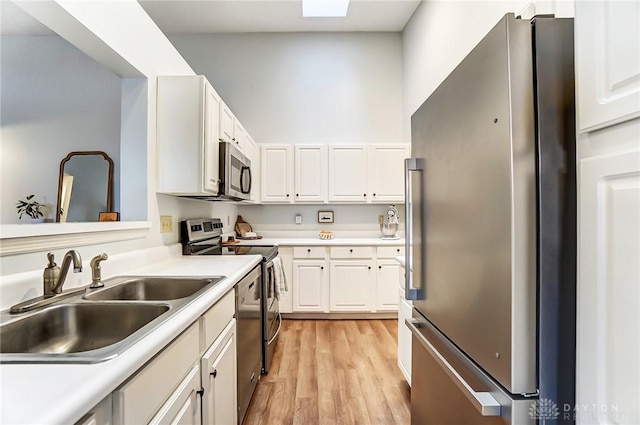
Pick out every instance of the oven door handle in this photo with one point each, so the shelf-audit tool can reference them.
(278, 330)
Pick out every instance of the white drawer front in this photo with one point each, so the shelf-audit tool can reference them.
(309, 252)
(352, 252)
(139, 399)
(216, 319)
(390, 251)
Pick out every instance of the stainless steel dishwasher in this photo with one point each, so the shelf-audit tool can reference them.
(249, 337)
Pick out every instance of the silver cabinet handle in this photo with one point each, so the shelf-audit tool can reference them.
(484, 402)
(410, 164)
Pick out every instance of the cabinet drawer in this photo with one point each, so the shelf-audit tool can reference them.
(309, 252)
(390, 251)
(352, 252)
(216, 319)
(140, 397)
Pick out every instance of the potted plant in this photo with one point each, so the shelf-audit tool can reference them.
(31, 208)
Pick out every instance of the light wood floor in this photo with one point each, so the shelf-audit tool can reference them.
(333, 372)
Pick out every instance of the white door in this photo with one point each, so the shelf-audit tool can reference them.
(608, 62)
(310, 286)
(183, 406)
(310, 173)
(277, 173)
(386, 172)
(348, 173)
(352, 285)
(239, 135)
(609, 289)
(219, 380)
(387, 282)
(211, 131)
(227, 122)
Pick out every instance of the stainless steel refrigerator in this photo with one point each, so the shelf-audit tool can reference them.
(491, 233)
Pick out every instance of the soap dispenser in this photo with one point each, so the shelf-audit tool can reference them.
(50, 276)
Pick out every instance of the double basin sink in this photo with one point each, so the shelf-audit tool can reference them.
(97, 324)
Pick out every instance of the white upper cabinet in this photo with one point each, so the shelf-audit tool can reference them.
(187, 128)
(310, 177)
(277, 173)
(227, 123)
(386, 172)
(367, 174)
(239, 136)
(348, 173)
(608, 62)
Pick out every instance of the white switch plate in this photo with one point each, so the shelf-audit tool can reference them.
(298, 219)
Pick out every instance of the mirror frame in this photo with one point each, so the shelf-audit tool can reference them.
(61, 177)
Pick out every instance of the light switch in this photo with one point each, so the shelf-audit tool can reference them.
(298, 219)
(166, 224)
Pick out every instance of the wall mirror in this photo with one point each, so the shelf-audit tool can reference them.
(84, 186)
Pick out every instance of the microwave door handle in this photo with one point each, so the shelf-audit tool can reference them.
(242, 189)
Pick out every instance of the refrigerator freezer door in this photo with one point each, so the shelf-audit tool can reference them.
(450, 390)
(474, 208)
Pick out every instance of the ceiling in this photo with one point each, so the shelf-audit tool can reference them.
(211, 16)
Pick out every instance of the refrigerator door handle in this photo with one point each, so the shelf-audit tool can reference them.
(410, 164)
(484, 402)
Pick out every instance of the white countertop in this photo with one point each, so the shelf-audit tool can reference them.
(63, 393)
(323, 242)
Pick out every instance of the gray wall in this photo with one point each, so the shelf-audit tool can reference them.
(55, 99)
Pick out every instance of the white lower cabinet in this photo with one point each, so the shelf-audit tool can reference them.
(141, 397)
(352, 284)
(404, 337)
(181, 385)
(310, 286)
(219, 379)
(183, 406)
(100, 414)
(387, 272)
(345, 279)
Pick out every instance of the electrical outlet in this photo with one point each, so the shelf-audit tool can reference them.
(298, 219)
(380, 219)
(166, 224)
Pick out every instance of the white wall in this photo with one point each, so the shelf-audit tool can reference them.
(305, 87)
(124, 39)
(441, 33)
(55, 99)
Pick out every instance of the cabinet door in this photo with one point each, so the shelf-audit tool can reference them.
(348, 173)
(386, 172)
(310, 286)
(239, 136)
(608, 62)
(219, 379)
(352, 285)
(183, 406)
(310, 173)
(227, 123)
(608, 323)
(211, 144)
(387, 285)
(277, 173)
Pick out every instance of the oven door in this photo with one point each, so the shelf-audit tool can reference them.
(236, 172)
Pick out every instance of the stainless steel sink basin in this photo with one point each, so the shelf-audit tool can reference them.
(151, 288)
(75, 330)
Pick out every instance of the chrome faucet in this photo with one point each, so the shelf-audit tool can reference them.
(54, 277)
(96, 270)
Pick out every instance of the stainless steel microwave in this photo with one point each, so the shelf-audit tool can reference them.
(235, 172)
